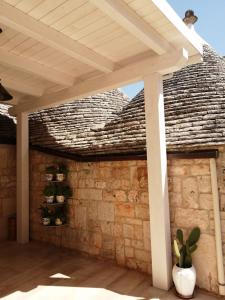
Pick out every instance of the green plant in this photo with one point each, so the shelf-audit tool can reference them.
(51, 170)
(45, 212)
(49, 190)
(60, 214)
(67, 192)
(62, 169)
(183, 250)
(63, 191)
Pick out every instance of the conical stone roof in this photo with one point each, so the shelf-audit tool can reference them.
(194, 112)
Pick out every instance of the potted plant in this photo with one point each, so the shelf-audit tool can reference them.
(46, 215)
(184, 274)
(62, 172)
(50, 172)
(62, 193)
(59, 216)
(49, 193)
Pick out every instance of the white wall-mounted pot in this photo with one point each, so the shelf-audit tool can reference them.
(184, 280)
(49, 199)
(46, 221)
(60, 177)
(58, 221)
(49, 176)
(60, 199)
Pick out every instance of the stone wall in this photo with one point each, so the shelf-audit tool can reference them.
(7, 187)
(109, 212)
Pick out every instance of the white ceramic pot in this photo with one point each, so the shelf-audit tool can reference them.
(46, 221)
(58, 221)
(60, 177)
(60, 199)
(184, 280)
(49, 199)
(49, 177)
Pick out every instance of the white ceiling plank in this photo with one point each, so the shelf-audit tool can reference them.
(27, 25)
(21, 86)
(163, 64)
(127, 18)
(32, 67)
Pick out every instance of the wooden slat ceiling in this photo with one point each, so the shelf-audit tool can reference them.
(81, 21)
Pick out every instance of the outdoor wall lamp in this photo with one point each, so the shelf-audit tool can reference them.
(4, 94)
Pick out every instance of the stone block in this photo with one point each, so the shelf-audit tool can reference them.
(138, 232)
(120, 252)
(96, 239)
(120, 196)
(204, 260)
(204, 184)
(93, 210)
(89, 194)
(200, 169)
(128, 231)
(106, 211)
(146, 235)
(175, 199)
(142, 255)
(117, 230)
(133, 196)
(206, 201)
(81, 217)
(188, 218)
(190, 192)
(129, 252)
(125, 210)
(142, 211)
(144, 197)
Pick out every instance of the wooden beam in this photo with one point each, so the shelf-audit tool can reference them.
(22, 167)
(32, 67)
(157, 182)
(163, 64)
(16, 19)
(129, 20)
(21, 86)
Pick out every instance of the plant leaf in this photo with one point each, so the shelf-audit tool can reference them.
(180, 236)
(194, 236)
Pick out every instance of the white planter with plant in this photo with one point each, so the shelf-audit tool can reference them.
(62, 193)
(49, 193)
(184, 273)
(50, 173)
(58, 221)
(46, 215)
(60, 216)
(61, 173)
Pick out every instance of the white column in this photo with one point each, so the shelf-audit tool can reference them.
(157, 182)
(22, 142)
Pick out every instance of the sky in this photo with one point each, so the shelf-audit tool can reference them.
(210, 26)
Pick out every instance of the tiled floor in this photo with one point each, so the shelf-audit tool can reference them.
(39, 271)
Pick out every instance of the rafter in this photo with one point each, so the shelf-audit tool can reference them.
(163, 64)
(16, 19)
(127, 18)
(32, 67)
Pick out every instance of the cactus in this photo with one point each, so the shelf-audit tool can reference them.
(183, 250)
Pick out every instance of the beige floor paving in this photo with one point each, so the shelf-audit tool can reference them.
(43, 272)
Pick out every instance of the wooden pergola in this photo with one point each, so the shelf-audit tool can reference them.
(56, 51)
